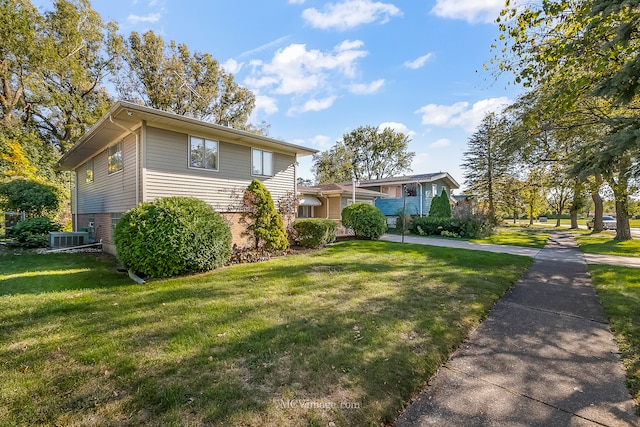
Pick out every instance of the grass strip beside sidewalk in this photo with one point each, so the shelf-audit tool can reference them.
(619, 292)
(346, 335)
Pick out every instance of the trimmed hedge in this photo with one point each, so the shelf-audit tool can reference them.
(315, 232)
(433, 226)
(34, 232)
(172, 236)
(365, 220)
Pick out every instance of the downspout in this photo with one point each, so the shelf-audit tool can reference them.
(421, 197)
(137, 165)
(326, 199)
(75, 201)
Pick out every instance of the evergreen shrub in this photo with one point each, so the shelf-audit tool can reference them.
(172, 236)
(367, 221)
(34, 232)
(315, 232)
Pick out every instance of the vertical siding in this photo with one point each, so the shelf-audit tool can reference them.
(109, 193)
(168, 173)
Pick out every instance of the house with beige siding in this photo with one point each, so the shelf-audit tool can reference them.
(136, 154)
(328, 201)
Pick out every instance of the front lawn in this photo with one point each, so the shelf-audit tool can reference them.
(528, 237)
(346, 335)
(605, 244)
(619, 292)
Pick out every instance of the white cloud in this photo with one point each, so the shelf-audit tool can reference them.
(471, 11)
(418, 62)
(232, 66)
(350, 13)
(366, 89)
(152, 17)
(313, 105)
(266, 104)
(296, 70)
(322, 142)
(420, 162)
(265, 46)
(444, 142)
(461, 114)
(398, 127)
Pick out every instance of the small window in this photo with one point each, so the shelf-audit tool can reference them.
(203, 153)
(115, 158)
(115, 217)
(89, 171)
(261, 162)
(434, 190)
(412, 189)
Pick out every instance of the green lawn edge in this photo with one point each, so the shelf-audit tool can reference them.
(348, 335)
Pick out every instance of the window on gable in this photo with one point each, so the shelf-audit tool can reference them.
(114, 159)
(89, 171)
(203, 153)
(261, 162)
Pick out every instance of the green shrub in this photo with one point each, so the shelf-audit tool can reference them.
(440, 206)
(315, 232)
(172, 236)
(432, 226)
(34, 232)
(473, 224)
(264, 223)
(365, 220)
(35, 199)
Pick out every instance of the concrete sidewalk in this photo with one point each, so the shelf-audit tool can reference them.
(620, 261)
(544, 357)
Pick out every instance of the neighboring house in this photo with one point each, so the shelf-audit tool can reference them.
(328, 200)
(136, 154)
(420, 190)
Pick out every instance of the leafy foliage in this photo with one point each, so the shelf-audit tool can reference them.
(171, 78)
(440, 206)
(264, 223)
(315, 232)
(471, 223)
(432, 226)
(34, 232)
(365, 153)
(365, 220)
(172, 236)
(33, 198)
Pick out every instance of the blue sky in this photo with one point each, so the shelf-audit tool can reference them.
(320, 69)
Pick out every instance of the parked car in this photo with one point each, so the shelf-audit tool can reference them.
(608, 223)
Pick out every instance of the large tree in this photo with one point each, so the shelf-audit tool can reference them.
(583, 54)
(171, 78)
(487, 161)
(365, 153)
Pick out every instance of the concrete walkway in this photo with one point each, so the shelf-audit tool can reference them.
(544, 357)
(620, 261)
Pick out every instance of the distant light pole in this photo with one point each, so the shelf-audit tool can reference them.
(354, 182)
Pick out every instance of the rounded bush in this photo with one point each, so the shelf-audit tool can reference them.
(34, 232)
(433, 226)
(365, 220)
(315, 232)
(172, 236)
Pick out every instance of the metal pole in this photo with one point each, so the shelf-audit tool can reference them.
(404, 207)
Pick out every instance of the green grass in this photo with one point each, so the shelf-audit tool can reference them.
(346, 335)
(528, 237)
(619, 292)
(605, 244)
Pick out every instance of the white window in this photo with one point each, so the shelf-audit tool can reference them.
(305, 212)
(89, 171)
(261, 162)
(114, 159)
(203, 153)
(434, 190)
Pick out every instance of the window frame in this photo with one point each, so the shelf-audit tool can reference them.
(119, 147)
(204, 140)
(89, 171)
(261, 172)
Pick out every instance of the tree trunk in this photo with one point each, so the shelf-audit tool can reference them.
(574, 220)
(597, 211)
(531, 214)
(623, 232)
